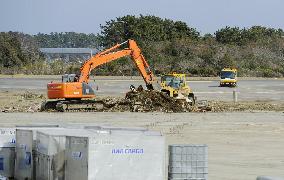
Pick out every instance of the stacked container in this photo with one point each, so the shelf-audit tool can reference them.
(188, 162)
(50, 149)
(25, 151)
(8, 149)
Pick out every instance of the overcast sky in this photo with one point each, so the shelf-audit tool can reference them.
(207, 16)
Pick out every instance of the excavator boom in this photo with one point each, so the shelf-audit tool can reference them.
(112, 54)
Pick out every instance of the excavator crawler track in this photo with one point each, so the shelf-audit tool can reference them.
(74, 106)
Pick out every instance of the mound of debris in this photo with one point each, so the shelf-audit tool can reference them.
(146, 101)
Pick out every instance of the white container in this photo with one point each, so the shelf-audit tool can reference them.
(8, 146)
(116, 154)
(50, 149)
(7, 152)
(25, 146)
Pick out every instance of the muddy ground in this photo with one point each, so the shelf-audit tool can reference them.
(30, 101)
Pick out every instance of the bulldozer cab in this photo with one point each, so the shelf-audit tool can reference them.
(175, 81)
(175, 86)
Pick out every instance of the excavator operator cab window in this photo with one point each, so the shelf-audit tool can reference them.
(69, 78)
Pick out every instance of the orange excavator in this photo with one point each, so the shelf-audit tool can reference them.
(74, 88)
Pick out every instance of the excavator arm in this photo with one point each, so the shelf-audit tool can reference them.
(115, 53)
(74, 87)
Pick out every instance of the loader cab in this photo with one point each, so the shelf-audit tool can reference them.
(70, 78)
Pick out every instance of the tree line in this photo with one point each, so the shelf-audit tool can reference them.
(168, 46)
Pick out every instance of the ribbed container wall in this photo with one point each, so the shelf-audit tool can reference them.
(50, 150)
(24, 156)
(188, 162)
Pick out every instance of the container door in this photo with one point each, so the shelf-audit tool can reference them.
(23, 164)
(76, 158)
(7, 157)
(43, 166)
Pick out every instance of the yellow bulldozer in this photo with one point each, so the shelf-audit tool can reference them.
(175, 85)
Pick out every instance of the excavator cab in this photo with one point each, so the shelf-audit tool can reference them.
(70, 78)
(70, 88)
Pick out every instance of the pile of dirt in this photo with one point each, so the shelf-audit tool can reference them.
(221, 106)
(152, 101)
(145, 101)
